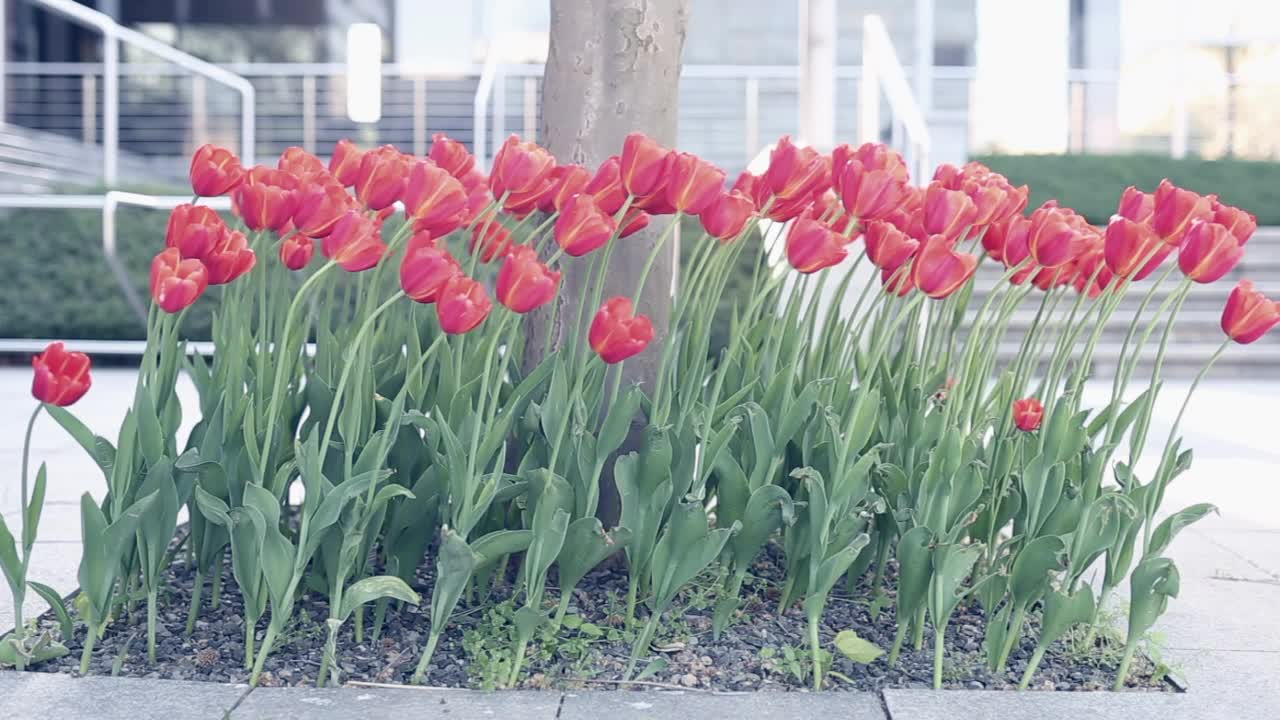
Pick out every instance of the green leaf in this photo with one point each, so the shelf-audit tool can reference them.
(81, 434)
(492, 547)
(9, 561)
(1152, 583)
(59, 608)
(375, 588)
(617, 424)
(454, 565)
(586, 545)
(35, 505)
(1033, 566)
(863, 652)
(914, 569)
(1167, 530)
(150, 435)
(1061, 611)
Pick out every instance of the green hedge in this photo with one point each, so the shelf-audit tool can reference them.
(1092, 183)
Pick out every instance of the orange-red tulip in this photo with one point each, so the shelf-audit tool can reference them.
(1248, 314)
(1054, 237)
(694, 184)
(633, 222)
(320, 203)
(1136, 205)
(462, 305)
(727, 215)
(1208, 251)
(938, 270)
(617, 332)
(301, 164)
(434, 199)
(60, 377)
(490, 238)
(214, 171)
(948, 213)
(355, 242)
(296, 251)
(229, 258)
(1129, 243)
(606, 186)
(1174, 209)
(754, 187)
(643, 165)
(524, 282)
(1027, 414)
(872, 181)
(426, 268)
(1006, 241)
(193, 229)
(382, 177)
(451, 155)
(812, 246)
(176, 283)
(1242, 224)
(582, 226)
(887, 246)
(265, 199)
(796, 172)
(519, 167)
(567, 181)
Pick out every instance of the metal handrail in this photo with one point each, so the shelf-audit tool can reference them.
(114, 33)
(880, 68)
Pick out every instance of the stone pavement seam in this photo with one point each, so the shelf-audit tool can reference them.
(1212, 541)
(884, 705)
(226, 715)
(560, 705)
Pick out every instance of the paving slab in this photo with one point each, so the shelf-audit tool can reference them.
(52, 563)
(1007, 705)
(663, 705)
(46, 696)
(357, 703)
(1241, 685)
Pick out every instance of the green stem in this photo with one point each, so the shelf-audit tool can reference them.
(250, 633)
(420, 673)
(1123, 673)
(939, 638)
(91, 636)
(653, 255)
(354, 352)
(1036, 657)
(330, 652)
(151, 626)
(898, 636)
(20, 591)
(815, 648)
(261, 660)
(193, 611)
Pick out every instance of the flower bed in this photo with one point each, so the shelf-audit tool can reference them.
(423, 470)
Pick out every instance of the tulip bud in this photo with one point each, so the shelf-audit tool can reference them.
(451, 155)
(617, 332)
(1174, 209)
(1053, 238)
(1027, 414)
(355, 242)
(812, 246)
(344, 166)
(296, 251)
(426, 268)
(176, 283)
(382, 177)
(193, 229)
(1248, 314)
(434, 199)
(1208, 252)
(462, 305)
(938, 270)
(524, 282)
(796, 172)
(606, 186)
(1129, 243)
(643, 165)
(214, 171)
(519, 168)
(60, 377)
(887, 246)
(727, 215)
(948, 213)
(265, 199)
(229, 258)
(582, 226)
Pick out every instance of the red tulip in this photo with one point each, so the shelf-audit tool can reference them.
(491, 238)
(606, 186)
(1248, 314)
(633, 222)
(727, 215)
(1129, 243)
(229, 258)
(655, 203)
(948, 213)
(193, 229)
(871, 156)
(938, 270)
(994, 198)
(812, 246)
(382, 177)
(265, 199)
(795, 171)
(524, 282)
(694, 184)
(754, 187)
(897, 282)
(567, 181)
(1242, 224)
(176, 283)
(617, 332)
(1054, 238)
(426, 268)
(1208, 252)
(214, 171)
(1092, 276)
(355, 242)
(451, 155)
(872, 182)
(61, 377)
(462, 305)
(643, 165)
(887, 246)
(1136, 205)
(434, 199)
(1175, 209)
(300, 164)
(582, 226)
(296, 251)
(1027, 414)
(519, 167)
(1006, 241)
(345, 163)
(320, 203)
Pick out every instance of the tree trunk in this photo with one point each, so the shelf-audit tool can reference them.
(613, 67)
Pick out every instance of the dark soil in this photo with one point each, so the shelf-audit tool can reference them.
(761, 650)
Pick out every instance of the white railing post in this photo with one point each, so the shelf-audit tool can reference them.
(89, 108)
(309, 113)
(110, 107)
(420, 115)
(480, 110)
(499, 110)
(880, 67)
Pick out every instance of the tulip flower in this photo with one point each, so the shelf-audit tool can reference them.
(812, 246)
(524, 282)
(1248, 314)
(1130, 242)
(1136, 205)
(345, 163)
(229, 258)
(1092, 275)
(1174, 209)
(694, 184)
(451, 155)
(1027, 414)
(567, 181)
(61, 377)
(948, 213)
(214, 171)
(896, 282)
(617, 332)
(382, 177)
(1242, 224)
(752, 186)
(633, 222)
(1006, 241)
(643, 165)
(994, 198)
(1208, 252)
(887, 246)
(519, 167)
(355, 242)
(462, 305)
(582, 226)
(426, 268)
(176, 283)
(606, 186)
(296, 251)
(301, 164)
(727, 215)
(871, 157)
(265, 199)
(521, 204)
(655, 203)
(193, 229)
(319, 205)
(870, 193)
(795, 171)
(1053, 238)
(434, 199)
(938, 270)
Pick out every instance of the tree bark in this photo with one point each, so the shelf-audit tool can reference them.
(613, 67)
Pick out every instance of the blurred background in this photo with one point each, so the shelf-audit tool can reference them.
(1077, 98)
